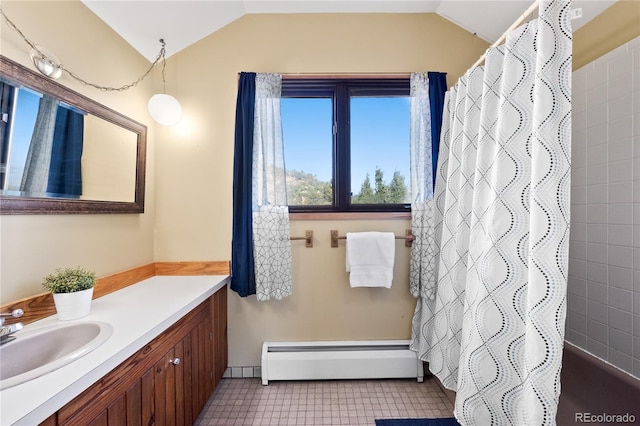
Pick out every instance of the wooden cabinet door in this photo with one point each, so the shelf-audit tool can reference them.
(184, 377)
(132, 406)
(148, 389)
(187, 407)
(179, 384)
(219, 328)
(201, 365)
(162, 392)
(135, 406)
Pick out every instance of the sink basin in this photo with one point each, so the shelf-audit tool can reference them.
(41, 351)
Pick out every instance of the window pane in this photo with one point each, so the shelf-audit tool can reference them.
(308, 150)
(380, 150)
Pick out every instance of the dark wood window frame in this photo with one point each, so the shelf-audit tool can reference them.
(340, 91)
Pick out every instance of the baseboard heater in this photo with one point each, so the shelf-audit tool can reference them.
(328, 360)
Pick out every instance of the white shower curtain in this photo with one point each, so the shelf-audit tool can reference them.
(495, 331)
(271, 244)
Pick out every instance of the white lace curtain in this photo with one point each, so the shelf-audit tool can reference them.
(494, 330)
(422, 273)
(271, 244)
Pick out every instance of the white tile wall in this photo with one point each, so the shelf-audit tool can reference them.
(603, 300)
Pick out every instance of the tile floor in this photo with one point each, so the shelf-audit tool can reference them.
(334, 402)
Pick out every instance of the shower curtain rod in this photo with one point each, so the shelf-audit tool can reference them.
(336, 75)
(530, 11)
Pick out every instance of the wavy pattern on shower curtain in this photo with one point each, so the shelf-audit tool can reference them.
(455, 229)
(497, 326)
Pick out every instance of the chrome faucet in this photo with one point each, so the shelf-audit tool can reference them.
(7, 330)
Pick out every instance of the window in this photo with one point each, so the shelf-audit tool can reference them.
(346, 144)
(17, 137)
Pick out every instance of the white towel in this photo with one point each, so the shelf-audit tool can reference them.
(370, 257)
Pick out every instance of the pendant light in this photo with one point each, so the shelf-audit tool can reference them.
(163, 108)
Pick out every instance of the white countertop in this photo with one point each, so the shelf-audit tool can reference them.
(138, 314)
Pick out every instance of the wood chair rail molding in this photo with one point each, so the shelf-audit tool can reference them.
(41, 305)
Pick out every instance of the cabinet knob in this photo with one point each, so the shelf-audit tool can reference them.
(174, 361)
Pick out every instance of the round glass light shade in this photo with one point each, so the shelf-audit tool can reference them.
(49, 65)
(165, 109)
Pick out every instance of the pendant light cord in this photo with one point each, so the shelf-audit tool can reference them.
(42, 56)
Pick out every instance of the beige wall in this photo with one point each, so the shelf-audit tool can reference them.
(109, 161)
(194, 164)
(618, 24)
(31, 246)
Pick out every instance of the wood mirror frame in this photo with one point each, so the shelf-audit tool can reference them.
(12, 71)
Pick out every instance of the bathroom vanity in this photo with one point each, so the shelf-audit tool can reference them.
(167, 354)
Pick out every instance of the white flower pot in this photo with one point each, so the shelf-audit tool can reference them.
(72, 306)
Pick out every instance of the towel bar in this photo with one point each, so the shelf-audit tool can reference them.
(408, 238)
(308, 237)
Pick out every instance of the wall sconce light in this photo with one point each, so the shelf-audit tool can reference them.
(163, 108)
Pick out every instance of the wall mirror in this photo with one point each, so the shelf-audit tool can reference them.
(63, 153)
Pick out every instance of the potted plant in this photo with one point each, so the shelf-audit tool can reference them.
(72, 290)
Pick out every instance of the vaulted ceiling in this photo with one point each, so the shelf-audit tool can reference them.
(181, 23)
